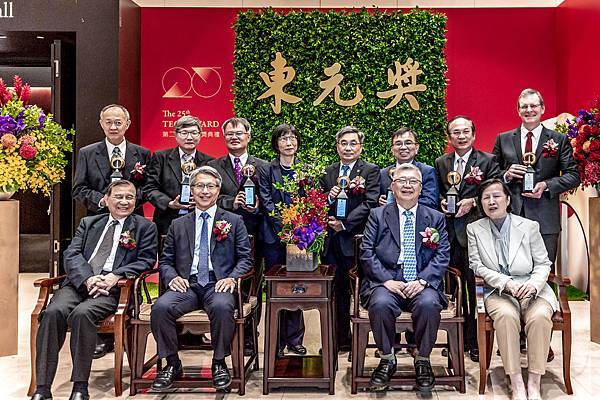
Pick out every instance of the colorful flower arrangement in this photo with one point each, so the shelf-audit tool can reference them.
(584, 133)
(32, 145)
(357, 186)
(304, 219)
(127, 241)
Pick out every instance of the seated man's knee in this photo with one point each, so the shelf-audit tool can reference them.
(53, 313)
(79, 314)
(381, 301)
(223, 304)
(428, 301)
(161, 308)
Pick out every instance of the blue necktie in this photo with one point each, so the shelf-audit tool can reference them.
(345, 170)
(410, 254)
(203, 275)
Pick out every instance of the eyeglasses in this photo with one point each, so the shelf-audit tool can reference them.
(525, 107)
(230, 134)
(284, 139)
(118, 124)
(351, 144)
(404, 181)
(464, 132)
(405, 144)
(203, 186)
(188, 133)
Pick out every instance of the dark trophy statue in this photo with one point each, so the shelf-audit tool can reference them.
(249, 187)
(529, 177)
(452, 199)
(341, 201)
(117, 163)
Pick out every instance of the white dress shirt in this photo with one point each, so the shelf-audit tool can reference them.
(199, 221)
(537, 132)
(351, 165)
(110, 147)
(108, 265)
(243, 159)
(402, 222)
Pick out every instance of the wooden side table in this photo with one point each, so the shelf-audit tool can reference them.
(304, 291)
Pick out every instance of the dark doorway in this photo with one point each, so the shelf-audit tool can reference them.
(45, 60)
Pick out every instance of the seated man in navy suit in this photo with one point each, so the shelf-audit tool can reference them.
(205, 251)
(104, 249)
(404, 273)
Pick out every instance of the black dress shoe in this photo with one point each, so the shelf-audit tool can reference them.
(103, 349)
(221, 379)
(474, 355)
(380, 378)
(164, 379)
(38, 396)
(297, 349)
(79, 396)
(425, 377)
(343, 348)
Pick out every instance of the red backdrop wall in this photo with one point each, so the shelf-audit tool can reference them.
(578, 39)
(492, 54)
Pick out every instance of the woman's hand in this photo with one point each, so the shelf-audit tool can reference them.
(526, 290)
(512, 287)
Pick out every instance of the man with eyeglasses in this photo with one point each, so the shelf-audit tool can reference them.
(93, 169)
(555, 168)
(94, 262)
(165, 173)
(237, 134)
(362, 197)
(473, 166)
(203, 278)
(404, 273)
(93, 176)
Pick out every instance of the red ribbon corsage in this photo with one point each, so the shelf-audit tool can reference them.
(222, 229)
(550, 148)
(357, 185)
(431, 238)
(474, 177)
(138, 171)
(126, 241)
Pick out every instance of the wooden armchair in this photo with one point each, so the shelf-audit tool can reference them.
(452, 322)
(197, 323)
(561, 321)
(118, 324)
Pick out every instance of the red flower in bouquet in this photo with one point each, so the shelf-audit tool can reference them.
(222, 229)
(127, 241)
(28, 152)
(28, 140)
(584, 134)
(431, 238)
(357, 185)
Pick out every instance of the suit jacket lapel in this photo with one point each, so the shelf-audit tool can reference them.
(120, 254)
(102, 161)
(392, 219)
(228, 168)
(131, 157)
(420, 225)
(516, 139)
(357, 169)
(175, 164)
(485, 236)
(516, 236)
(93, 236)
(213, 237)
(544, 137)
(470, 163)
(333, 174)
(449, 161)
(190, 231)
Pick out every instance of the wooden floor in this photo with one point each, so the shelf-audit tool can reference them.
(14, 370)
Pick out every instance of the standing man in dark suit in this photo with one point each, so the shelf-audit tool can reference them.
(340, 233)
(474, 166)
(237, 133)
(164, 178)
(105, 248)
(93, 168)
(403, 273)
(405, 146)
(199, 266)
(555, 168)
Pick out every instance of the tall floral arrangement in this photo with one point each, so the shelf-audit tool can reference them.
(304, 218)
(32, 145)
(584, 133)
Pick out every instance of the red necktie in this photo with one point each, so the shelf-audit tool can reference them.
(529, 143)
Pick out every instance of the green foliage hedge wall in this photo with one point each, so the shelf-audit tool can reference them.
(366, 45)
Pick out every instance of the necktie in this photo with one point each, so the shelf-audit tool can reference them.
(237, 166)
(203, 276)
(529, 142)
(104, 250)
(345, 170)
(410, 254)
(116, 152)
(460, 168)
(186, 157)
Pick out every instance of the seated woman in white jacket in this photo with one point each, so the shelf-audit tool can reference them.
(508, 252)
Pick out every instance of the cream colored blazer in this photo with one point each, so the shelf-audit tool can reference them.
(527, 256)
